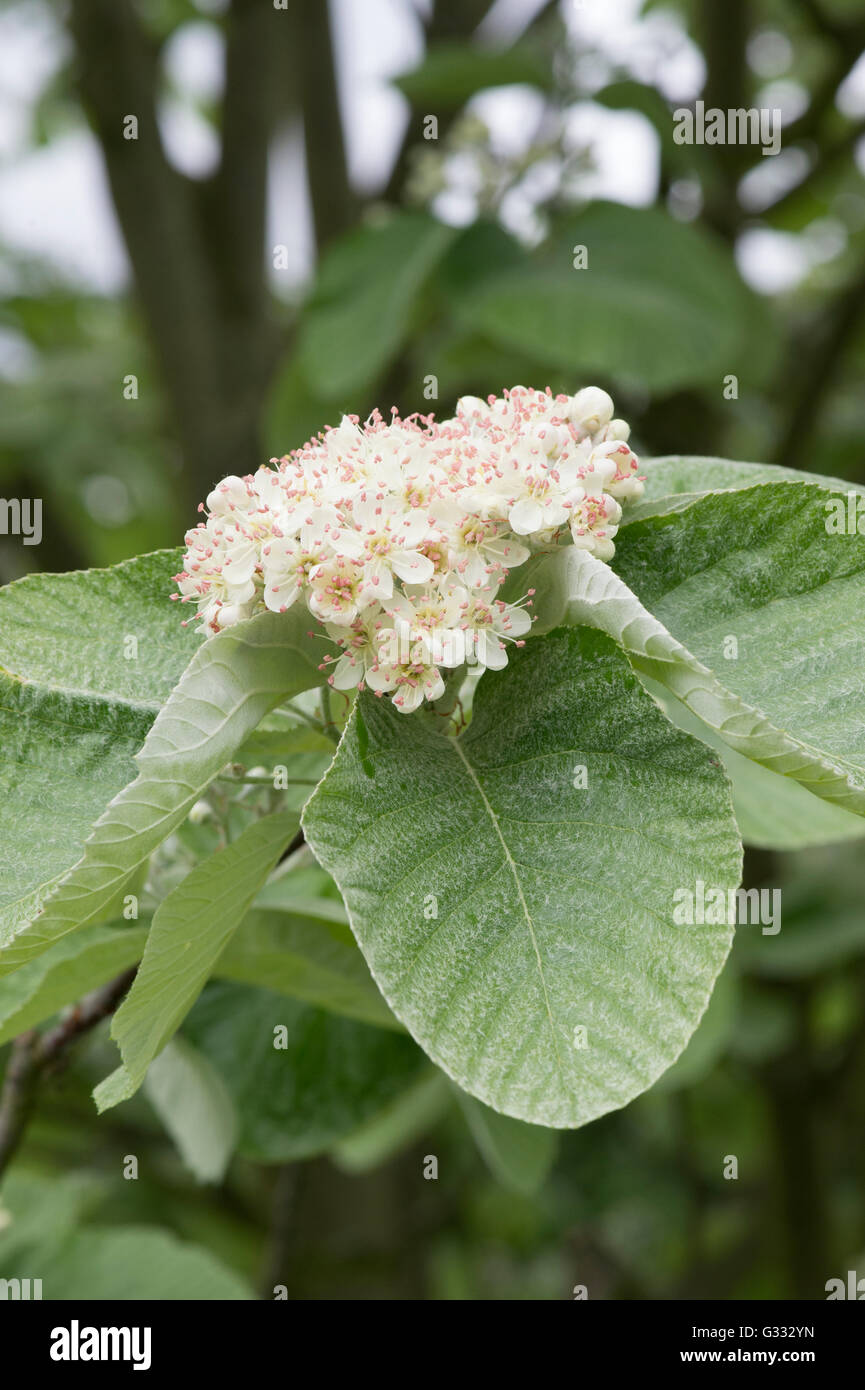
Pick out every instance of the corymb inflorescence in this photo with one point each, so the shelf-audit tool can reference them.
(398, 535)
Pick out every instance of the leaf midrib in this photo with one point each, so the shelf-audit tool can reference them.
(460, 751)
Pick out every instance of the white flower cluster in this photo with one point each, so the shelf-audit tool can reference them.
(399, 535)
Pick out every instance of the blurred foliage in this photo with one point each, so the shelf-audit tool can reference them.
(406, 307)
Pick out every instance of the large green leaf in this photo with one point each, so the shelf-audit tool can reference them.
(74, 632)
(638, 313)
(756, 564)
(63, 759)
(772, 812)
(759, 565)
(190, 930)
(233, 680)
(86, 660)
(327, 1077)
(502, 906)
(675, 482)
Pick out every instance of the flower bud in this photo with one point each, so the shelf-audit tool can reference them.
(591, 409)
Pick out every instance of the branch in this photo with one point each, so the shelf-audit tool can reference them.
(118, 70)
(334, 206)
(724, 32)
(197, 249)
(35, 1055)
(234, 207)
(249, 111)
(284, 1203)
(18, 1096)
(802, 1218)
(295, 844)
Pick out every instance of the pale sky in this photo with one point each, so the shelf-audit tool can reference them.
(54, 201)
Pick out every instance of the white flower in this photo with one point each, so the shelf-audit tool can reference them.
(594, 523)
(231, 495)
(490, 626)
(541, 490)
(227, 614)
(398, 534)
(240, 557)
(428, 623)
(480, 551)
(625, 485)
(334, 591)
(412, 682)
(591, 409)
(287, 563)
(384, 541)
(364, 645)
